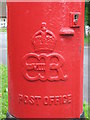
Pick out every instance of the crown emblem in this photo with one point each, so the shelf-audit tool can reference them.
(44, 39)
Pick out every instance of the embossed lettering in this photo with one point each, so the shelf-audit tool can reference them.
(20, 98)
(51, 100)
(57, 100)
(37, 98)
(69, 98)
(47, 67)
(64, 99)
(31, 100)
(26, 98)
(46, 100)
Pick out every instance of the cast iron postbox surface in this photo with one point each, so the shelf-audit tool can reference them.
(45, 59)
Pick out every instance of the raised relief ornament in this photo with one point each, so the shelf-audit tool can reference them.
(44, 64)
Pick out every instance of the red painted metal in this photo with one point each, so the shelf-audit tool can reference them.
(45, 59)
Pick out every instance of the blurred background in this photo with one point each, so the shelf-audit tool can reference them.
(3, 58)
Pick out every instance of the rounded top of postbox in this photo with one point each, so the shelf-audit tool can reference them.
(44, 0)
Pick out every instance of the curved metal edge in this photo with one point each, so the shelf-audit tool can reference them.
(10, 117)
(82, 115)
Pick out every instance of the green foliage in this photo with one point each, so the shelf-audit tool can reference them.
(89, 111)
(85, 108)
(87, 40)
(3, 29)
(3, 91)
(86, 13)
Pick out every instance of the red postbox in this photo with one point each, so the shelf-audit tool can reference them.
(45, 59)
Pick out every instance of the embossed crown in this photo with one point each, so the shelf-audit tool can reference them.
(44, 39)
